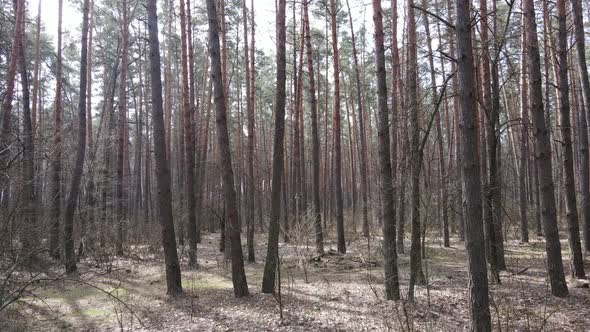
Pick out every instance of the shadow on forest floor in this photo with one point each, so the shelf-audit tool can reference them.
(325, 293)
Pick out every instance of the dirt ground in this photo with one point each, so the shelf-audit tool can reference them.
(330, 293)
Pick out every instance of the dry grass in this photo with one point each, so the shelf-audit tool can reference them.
(334, 293)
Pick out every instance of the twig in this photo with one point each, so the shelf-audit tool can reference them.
(438, 17)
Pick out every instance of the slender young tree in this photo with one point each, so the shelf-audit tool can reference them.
(237, 260)
(272, 253)
(386, 180)
(543, 155)
(568, 153)
(470, 173)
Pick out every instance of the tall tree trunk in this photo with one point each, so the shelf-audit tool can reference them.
(90, 186)
(439, 138)
(29, 232)
(396, 94)
(490, 145)
(202, 148)
(524, 138)
(293, 191)
(585, 169)
(573, 227)
(237, 260)
(336, 132)
(272, 254)
(543, 155)
(416, 274)
(192, 74)
(72, 200)
(250, 209)
(56, 193)
(460, 223)
(173, 280)
(315, 140)
(36, 70)
(168, 82)
(7, 111)
(189, 143)
(386, 183)
(138, 200)
(470, 173)
(495, 145)
(547, 41)
(250, 231)
(120, 219)
(363, 143)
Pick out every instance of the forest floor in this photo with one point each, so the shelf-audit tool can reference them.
(331, 293)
